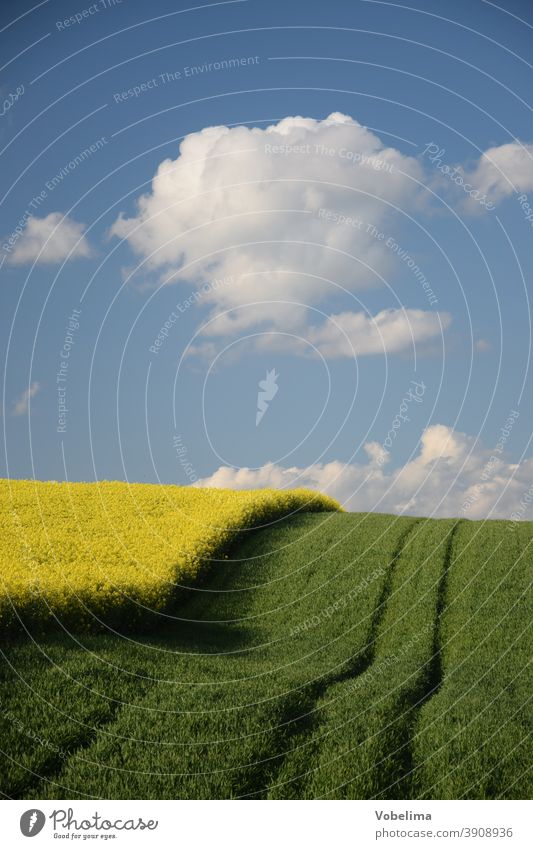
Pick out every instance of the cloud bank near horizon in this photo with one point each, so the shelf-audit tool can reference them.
(451, 471)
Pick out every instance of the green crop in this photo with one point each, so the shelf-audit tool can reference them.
(332, 655)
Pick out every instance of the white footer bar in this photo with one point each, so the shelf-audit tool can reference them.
(268, 825)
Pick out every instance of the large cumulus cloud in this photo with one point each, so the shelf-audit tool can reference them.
(288, 213)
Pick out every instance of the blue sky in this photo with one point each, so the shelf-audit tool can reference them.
(312, 241)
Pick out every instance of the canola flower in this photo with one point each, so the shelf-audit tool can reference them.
(86, 553)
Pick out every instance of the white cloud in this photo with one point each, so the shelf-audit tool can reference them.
(50, 239)
(501, 171)
(451, 472)
(348, 334)
(245, 203)
(20, 406)
(390, 331)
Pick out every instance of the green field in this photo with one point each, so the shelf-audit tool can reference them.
(332, 656)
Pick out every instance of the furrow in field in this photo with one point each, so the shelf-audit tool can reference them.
(346, 656)
(474, 737)
(365, 724)
(401, 788)
(304, 734)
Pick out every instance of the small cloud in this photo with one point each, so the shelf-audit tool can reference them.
(500, 171)
(50, 239)
(390, 331)
(482, 345)
(20, 406)
(347, 335)
(207, 350)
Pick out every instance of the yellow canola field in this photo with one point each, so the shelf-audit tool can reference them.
(86, 552)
